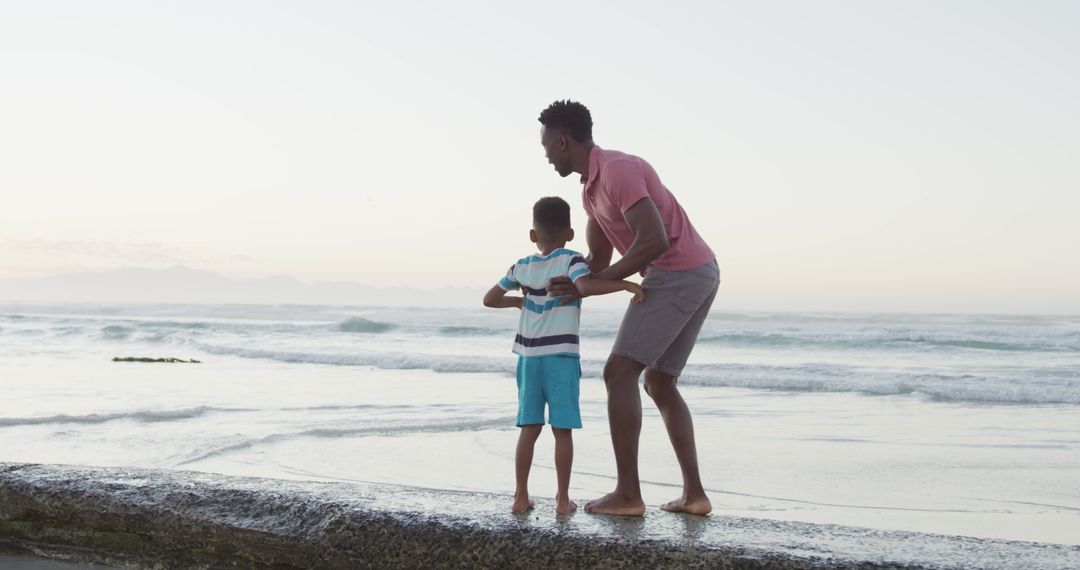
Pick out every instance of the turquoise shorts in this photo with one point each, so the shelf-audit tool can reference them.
(553, 381)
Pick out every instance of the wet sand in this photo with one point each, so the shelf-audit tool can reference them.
(182, 519)
(13, 562)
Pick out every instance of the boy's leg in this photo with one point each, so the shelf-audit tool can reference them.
(562, 387)
(531, 420)
(680, 427)
(564, 461)
(522, 463)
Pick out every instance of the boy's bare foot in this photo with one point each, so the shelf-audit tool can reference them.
(564, 507)
(521, 505)
(616, 504)
(696, 506)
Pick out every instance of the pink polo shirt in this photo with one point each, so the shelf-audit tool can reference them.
(616, 182)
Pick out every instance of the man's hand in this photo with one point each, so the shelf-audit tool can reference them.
(639, 293)
(563, 287)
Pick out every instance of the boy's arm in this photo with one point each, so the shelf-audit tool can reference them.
(497, 299)
(588, 285)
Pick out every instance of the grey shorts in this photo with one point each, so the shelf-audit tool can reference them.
(660, 331)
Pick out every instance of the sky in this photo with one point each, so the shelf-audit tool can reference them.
(859, 155)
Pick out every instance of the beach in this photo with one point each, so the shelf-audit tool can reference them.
(907, 425)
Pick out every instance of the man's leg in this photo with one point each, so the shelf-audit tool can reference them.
(624, 417)
(680, 427)
(523, 458)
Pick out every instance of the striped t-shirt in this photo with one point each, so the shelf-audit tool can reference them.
(546, 328)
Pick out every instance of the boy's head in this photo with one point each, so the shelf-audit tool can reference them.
(551, 222)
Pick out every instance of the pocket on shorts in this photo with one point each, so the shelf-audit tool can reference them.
(685, 305)
(694, 288)
(655, 278)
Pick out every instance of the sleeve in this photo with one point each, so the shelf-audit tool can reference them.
(578, 267)
(625, 182)
(509, 282)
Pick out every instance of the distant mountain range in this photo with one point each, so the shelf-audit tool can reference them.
(185, 285)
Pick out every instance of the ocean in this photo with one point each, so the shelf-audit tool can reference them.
(954, 424)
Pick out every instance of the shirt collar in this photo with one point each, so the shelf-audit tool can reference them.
(594, 167)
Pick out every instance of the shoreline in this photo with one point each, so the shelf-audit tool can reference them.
(173, 519)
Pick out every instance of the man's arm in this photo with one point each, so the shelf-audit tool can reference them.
(600, 248)
(650, 241)
(496, 298)
(589, 285)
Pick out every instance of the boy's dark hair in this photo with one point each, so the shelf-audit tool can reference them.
(551, 213)
(571, 116)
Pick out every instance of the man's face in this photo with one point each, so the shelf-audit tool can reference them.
(555, 149)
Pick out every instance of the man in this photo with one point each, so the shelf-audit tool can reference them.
(630, 210)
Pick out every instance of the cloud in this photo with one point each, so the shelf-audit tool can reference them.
(93, 251)
(81, 254)
(186, 285)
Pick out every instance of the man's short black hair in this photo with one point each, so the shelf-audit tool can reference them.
(551, 213)
(571, 116)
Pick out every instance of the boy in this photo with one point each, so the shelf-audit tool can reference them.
(548, 369)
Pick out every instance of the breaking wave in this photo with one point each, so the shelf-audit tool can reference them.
(362, 325)
(383, 430)
(137, 415)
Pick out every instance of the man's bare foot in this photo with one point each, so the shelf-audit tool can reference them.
(522, 504)
(696, 506)
(616, 504)
(564, 507)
